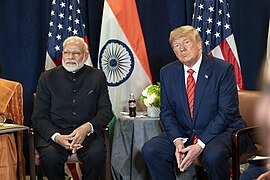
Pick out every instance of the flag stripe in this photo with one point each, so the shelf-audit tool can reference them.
(217, 52)
(229, 56)
(125, 13)
(231, 42)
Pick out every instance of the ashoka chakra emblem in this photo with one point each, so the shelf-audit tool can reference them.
(117, 62)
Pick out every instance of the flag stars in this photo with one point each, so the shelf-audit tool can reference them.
(52, 13)
(220, 12)
(199, 29)
(207, 43)
(228, 15)
(75, 32)
(210, 20)
(211, 9)
(77, 21)
(60, 26)
(221, 1)
(70, 7)
(58, 37)
(208, 31)
(57, 48)
(61, 15)
(69, 29)
(201, 6)
(227, 26)
(53, 2)
(62, 4)
(51, 23)
(199, 18)
(50, 34)
(69, 18)
(78, 11)
(217, 34)
(219, 23)
(83, 25)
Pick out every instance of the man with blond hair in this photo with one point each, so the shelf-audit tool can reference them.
(199, 111)
(71, 107)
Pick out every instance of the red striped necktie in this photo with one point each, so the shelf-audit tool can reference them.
(190, 95)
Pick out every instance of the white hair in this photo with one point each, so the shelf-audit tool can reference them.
(76, 38)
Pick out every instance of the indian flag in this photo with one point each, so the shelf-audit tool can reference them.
(122, 53)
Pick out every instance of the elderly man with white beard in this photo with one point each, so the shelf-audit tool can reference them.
(71, 107)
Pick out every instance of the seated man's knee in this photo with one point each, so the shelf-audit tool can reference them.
(213, 158)
(50, 155)
(96, 155)
(147, 151)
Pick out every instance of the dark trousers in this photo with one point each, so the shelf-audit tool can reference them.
(253, 172)
(93, 154)
(160, 159)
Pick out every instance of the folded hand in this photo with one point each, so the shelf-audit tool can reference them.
(192, 153)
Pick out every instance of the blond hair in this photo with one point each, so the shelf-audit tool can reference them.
(184, 30)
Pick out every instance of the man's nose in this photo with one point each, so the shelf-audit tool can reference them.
(182, 48)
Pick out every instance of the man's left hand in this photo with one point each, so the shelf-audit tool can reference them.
(78, 136)
(192, 153)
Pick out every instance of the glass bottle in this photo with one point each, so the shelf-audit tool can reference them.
(132, 105)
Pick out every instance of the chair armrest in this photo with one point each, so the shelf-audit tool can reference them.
(107, 169)
(235, 149)
(31, 150)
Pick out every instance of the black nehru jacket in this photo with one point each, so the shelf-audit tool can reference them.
(67, 100)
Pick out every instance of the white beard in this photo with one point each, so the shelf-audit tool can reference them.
(72, 65)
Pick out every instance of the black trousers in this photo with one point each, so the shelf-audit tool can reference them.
(93, 155)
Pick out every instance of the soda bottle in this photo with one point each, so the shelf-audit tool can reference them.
(132, 105)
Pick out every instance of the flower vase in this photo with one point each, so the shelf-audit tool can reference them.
(153, 111)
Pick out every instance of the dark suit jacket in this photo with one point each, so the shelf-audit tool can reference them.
(65, 100)
(215, 105)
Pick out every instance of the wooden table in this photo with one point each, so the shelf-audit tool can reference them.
(8, 128)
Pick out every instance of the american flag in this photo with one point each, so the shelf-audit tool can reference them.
(66, 20)
(213, 20)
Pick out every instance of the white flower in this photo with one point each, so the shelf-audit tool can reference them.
(146, 103)
(151, 98)
(144, 93)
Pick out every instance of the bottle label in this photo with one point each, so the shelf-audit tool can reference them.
(132, 105)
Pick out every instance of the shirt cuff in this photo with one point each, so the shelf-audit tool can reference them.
(92, 128)
(201, 143)
(184, 140)
(54, 136)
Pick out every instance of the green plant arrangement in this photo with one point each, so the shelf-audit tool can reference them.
(151, 96)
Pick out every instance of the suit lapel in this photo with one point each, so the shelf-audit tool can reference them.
(203, 76)
(181, 90)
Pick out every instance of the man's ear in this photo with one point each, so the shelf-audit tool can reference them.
(85, 57)
(200, 46)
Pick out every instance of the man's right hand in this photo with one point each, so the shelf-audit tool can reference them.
(64, 141)
(179, 145)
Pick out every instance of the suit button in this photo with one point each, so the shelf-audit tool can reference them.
(74, 113)
(74, 90)
(74, 79)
